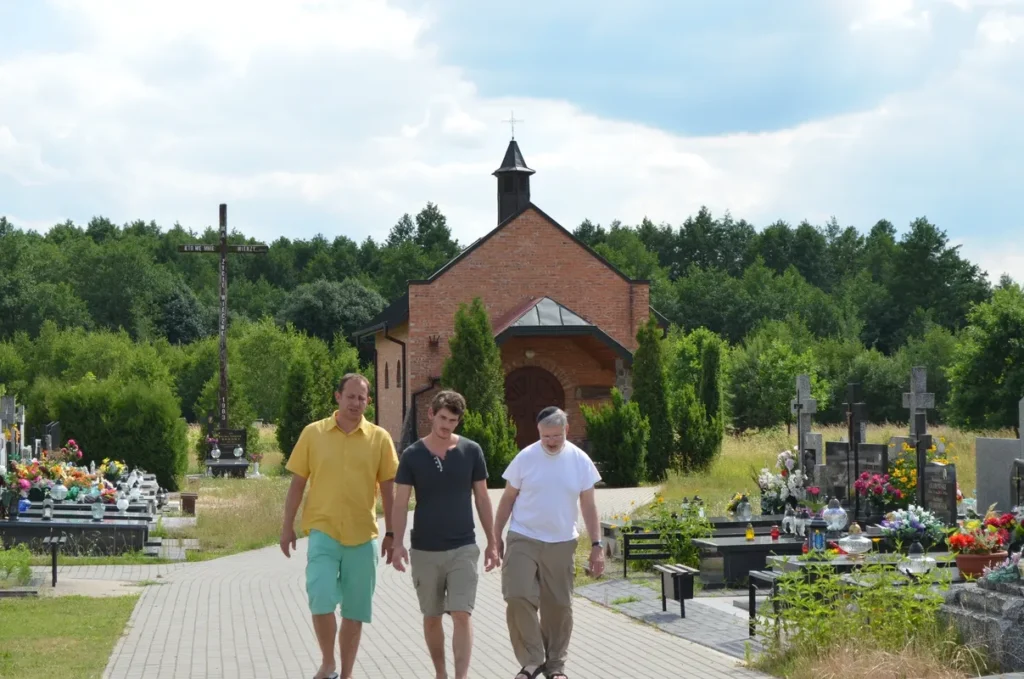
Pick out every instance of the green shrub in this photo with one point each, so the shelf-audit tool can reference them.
(618, 436)
(497, 437)
(651, 395)
(299, 409)
(137, 422)
(15, 566)
(816, 613)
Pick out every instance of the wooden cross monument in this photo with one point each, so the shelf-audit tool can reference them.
(918, 400)
(223, 248)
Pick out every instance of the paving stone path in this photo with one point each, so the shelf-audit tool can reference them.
(246, 616)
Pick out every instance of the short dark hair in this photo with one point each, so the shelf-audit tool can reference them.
(450, 400)
(351, 376)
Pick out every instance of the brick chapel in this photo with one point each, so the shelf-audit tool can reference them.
(565, 319)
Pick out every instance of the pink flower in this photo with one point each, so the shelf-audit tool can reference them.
(24, 484)
(79, 455)
(71, 442)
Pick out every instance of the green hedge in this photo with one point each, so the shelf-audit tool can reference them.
(136, 422)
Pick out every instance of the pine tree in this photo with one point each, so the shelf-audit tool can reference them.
(474, 370)
(651, 396)
(474, 367)
(299, 408)
(619, 439)
(712, 399)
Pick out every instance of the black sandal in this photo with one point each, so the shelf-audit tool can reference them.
(556, 675)
(536, 673)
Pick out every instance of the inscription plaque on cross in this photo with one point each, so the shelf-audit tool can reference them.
(223, 249)
(803, 406)
(918, 400)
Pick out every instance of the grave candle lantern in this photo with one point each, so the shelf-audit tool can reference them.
(215, 453)
(238, 452)
(48, 508)
(97, 510)
(917, 563)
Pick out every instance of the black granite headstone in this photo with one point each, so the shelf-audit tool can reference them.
(940, 491)
(836, 481)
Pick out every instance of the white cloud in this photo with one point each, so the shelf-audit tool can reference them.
(334, 117)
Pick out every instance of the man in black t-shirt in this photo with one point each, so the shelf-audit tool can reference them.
(448, 473)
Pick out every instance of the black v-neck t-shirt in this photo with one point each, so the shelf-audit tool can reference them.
(443, 517)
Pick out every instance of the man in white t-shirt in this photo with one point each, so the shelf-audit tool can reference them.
(548, 483)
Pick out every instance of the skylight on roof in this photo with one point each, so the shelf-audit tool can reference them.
(548, 312)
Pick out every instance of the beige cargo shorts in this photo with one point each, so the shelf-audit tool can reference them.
(445, 581)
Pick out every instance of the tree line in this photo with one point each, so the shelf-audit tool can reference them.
(829, 300)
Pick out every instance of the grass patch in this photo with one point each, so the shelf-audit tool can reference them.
(129, 559)
(37, 639)
(625, 600)
(745, 454)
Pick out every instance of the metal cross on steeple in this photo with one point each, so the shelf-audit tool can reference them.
(512, 121)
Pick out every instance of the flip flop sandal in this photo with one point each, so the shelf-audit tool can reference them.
(332, 675)
(536, 673)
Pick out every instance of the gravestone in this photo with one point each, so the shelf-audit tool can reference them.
(227, 464)
(940, 491)
(1017, 483)
(51, 433)
(835, 480)
(918, 401)
(803, 407)
(814, 457)
(874, 458)
(994, 467)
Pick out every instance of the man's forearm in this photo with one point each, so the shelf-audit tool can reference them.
(400, 513)
(387, 500)
(292, 501)
(591, 520)
(484, 509)
(501, 517)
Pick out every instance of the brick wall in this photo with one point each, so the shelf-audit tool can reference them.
(389, 392)
(570, 362)
(530, 257)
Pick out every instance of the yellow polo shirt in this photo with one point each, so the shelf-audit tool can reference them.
(342, 472)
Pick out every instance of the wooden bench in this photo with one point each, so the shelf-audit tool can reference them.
(682, 584)
(54, 543)
(768, 578)
(642, 547)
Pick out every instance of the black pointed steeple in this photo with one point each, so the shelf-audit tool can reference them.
(513, 182)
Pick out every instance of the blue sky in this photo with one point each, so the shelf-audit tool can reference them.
(337, 117)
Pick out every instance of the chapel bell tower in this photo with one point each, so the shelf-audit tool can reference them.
(513, 182)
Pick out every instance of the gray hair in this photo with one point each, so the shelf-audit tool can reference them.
(552, 417)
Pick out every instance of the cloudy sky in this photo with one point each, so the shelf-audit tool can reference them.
(336, 117)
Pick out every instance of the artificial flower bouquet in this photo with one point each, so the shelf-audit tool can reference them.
(913, 524)
(880, 493)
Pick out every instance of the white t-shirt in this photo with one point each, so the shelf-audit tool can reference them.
(549, 490)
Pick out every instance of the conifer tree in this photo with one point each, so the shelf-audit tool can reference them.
(299, 408)
(474, 370)
(651, 395)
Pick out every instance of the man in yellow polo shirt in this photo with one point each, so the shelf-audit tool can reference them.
(343, 458)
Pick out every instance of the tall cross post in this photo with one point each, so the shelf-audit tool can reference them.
(512, 121)
(921, 444)
(224, 249)
(856, 415)
(803, 406)
(918, 400)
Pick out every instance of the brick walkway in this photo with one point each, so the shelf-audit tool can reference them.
(246, 616)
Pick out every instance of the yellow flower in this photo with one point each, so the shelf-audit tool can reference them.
(625, 518)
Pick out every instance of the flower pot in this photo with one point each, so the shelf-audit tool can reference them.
(974, 564)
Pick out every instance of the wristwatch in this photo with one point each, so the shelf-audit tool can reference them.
(389, 534)
(595, 544)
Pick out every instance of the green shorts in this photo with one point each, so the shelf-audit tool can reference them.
(337, 574)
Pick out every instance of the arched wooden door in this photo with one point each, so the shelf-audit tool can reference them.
(529, 390)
